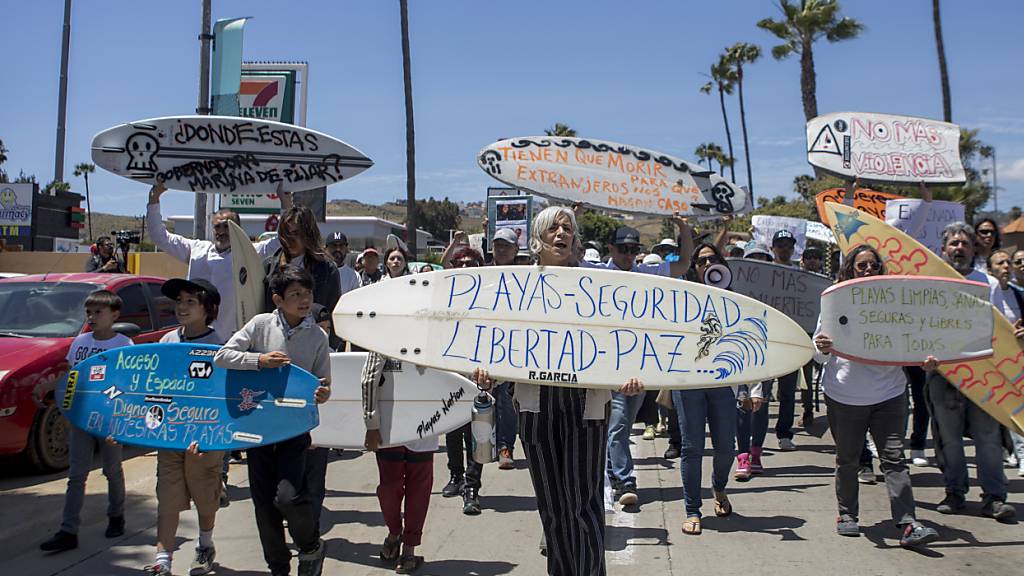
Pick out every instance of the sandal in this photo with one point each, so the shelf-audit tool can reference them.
(722, 505)
(409, 564)
(389, 550)
(691, 525)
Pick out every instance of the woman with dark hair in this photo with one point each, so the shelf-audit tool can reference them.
(987, 240)
(862, 398)
(564, 432)
(405, 472)
(698, 409)
(303, 247)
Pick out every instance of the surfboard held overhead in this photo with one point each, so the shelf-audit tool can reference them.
(226, 154)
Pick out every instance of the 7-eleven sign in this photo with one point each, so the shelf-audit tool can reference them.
(267, 95)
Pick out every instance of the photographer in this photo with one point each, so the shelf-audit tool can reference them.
(105, 260)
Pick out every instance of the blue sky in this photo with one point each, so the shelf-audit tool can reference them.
(622, 71)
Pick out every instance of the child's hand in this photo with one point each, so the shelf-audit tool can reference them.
(274, 359)
(193, 449)
(323, 391)
(110, 441)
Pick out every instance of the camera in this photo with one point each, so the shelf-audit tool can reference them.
(124, 238)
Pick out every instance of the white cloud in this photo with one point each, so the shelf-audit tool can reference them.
(1012, 171)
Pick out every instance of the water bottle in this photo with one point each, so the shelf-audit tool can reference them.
(482, 426)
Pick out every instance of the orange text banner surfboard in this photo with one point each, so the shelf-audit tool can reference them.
(996, 384)
(865, 199)
(612, 176)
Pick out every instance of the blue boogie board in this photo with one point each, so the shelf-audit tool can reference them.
(166, 396)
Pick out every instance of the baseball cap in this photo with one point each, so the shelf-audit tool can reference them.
(671, 243)
(753, 249)
(506, 235)
(652, 259)
(337, 238)
(813, 251)
(592, 256)
(175, 286)
(370, 250)
(626, 235)
(783, 235)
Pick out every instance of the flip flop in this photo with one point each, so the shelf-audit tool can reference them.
(409, 564)
(691, 526)
(389, 550)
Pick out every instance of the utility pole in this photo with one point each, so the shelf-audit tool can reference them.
(62, 100)
(203, 109)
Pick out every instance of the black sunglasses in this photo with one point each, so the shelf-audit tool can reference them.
(465, 263)
(986, 232)
(704, 260)
(628, 248)
(873, 265)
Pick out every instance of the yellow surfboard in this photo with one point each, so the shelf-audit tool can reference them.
(995, 384)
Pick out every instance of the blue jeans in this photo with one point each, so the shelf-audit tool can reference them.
(752, 427)
(716, 408)
(623, 414)
(508, 418)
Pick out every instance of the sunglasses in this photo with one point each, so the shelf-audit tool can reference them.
(705, 260)
(628, 248)
(465, 263)
(986, 232)
(873, 265)
(1018, 262)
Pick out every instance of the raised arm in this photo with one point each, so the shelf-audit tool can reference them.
(685, 241)
(174, 244)
(459, 239)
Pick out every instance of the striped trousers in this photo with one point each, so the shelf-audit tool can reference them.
(566, 455)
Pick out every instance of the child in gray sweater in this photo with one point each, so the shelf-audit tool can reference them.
(276, 472)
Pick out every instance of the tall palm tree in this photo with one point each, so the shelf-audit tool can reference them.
(947, 105)
(739, 54)
(710, 151)
(800, 27)
(723, 77)
(410, 135)
(82, 171)
(561, 130)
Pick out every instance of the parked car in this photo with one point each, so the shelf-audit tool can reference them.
(40, 315)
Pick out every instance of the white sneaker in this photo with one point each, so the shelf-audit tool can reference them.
(787, 444)
(872, 448)
(1011, 461)
(918, 458)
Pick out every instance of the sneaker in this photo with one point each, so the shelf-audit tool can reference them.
(787, 444)
(203, 562)
(312, 563)
(866, 475)
(917, 534)
(60, 542)
(673, 452)
(626, 494)
(917, 458)
(872, 448)
(846, 525)
(156, 570)
(742, 473)
(996, 508)
(662, 427)
(115, 527)
(470, 502)
(1010, 460)
(951, 504)
(755, 460)
(649, 433)
(454, 486)
(505, 460)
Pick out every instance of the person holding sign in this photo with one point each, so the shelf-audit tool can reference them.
(564, 432)
(862, 398)
(953, 414)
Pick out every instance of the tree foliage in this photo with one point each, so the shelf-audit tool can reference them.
(438, 217)
(594, 226)
(560, 129)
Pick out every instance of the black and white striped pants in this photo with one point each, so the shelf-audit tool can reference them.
(566, 455)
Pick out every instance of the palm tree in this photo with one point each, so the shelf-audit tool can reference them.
(82, 171)
(801, 26)
(739, 54)
(710, 151)
(561, 130)
(723, 77)
(410, 135)
(947, 105)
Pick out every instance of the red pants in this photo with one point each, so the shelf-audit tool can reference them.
(409, 475)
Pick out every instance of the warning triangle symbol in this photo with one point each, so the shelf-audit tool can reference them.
(826, 142)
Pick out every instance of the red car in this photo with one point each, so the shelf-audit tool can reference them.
(39, 317)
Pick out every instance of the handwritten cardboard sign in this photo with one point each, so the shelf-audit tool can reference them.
(612, 176)
(864, 199)
(582, 327)
(902, 320)
(885, 148)
(923, 221)
(226, 154)
(820, 232)
(765, 228)
(792, 291)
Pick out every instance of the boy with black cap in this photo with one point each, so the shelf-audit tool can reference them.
(783, 245)
(190, 476)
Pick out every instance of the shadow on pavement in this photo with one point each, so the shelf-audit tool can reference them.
(782, 526)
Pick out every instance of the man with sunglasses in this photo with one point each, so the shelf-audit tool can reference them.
(953, 414)
(1018, 268)
(624, 246)
(105, 259)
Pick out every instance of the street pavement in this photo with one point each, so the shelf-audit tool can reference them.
(784, 523)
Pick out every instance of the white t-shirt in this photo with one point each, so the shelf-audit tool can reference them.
(1006, 302)
(85, 345)
(349, 279)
